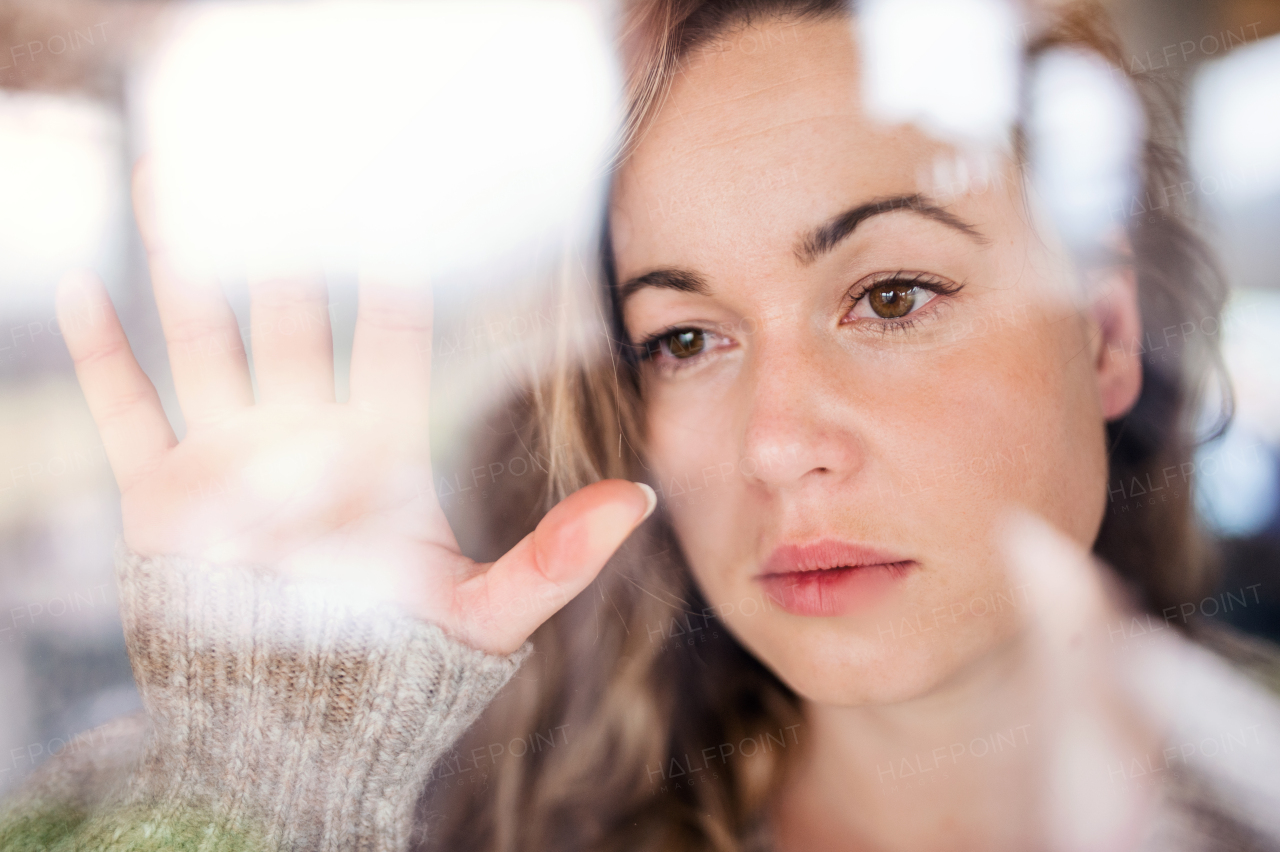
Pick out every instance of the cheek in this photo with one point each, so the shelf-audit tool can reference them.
(1046, 402)
(700, 476)
(693, 457)
(1007, 419)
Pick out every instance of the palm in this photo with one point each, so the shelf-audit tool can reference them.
(265, 483)
(298, 481)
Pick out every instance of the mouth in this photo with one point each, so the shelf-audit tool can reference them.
(830, 577)
(826, 555)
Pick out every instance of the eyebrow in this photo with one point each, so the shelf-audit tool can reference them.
(813, 245)
(670, 279)
(828, 235)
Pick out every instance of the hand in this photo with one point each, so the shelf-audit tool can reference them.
(316, 489)
(1099, 717)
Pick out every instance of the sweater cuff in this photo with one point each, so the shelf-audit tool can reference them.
(295, 714)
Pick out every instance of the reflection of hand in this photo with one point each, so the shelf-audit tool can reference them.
(1098, 723)
(296, 481)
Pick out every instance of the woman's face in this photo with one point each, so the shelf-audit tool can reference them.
(855, 376)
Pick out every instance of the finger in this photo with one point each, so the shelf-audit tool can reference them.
(135, 431)
(1066, 592)
(206, 354)
(391, 352)
(1092, 723)
(500, 608)
(292, 341)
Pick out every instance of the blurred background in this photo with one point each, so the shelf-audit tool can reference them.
(69, 114)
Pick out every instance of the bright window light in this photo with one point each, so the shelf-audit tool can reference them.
(1084, 129)
(415, 137)
(949, 66)
(61, 178)
(1234, 138)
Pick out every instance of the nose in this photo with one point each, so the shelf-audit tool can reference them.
(798, 424)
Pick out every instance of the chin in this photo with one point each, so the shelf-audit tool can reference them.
(832, 662)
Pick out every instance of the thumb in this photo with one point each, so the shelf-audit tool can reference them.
(497, 609)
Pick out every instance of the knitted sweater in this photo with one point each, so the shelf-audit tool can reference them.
(281, 717)
(278, 716)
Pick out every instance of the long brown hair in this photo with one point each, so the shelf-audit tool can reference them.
(640, 723)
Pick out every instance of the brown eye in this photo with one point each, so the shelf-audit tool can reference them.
(685, 343)
(894, 300)
(895, 296)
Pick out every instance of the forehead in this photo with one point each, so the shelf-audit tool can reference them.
(763, 132)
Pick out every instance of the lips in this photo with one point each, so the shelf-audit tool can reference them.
(824, 555)
(830, 577)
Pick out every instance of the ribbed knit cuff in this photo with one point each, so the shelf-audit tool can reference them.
(301, 717)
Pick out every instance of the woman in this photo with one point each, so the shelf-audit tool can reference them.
(810, 369)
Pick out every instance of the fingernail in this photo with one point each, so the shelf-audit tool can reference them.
(651, 500)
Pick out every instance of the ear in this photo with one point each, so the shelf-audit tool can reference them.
(1116, 339)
